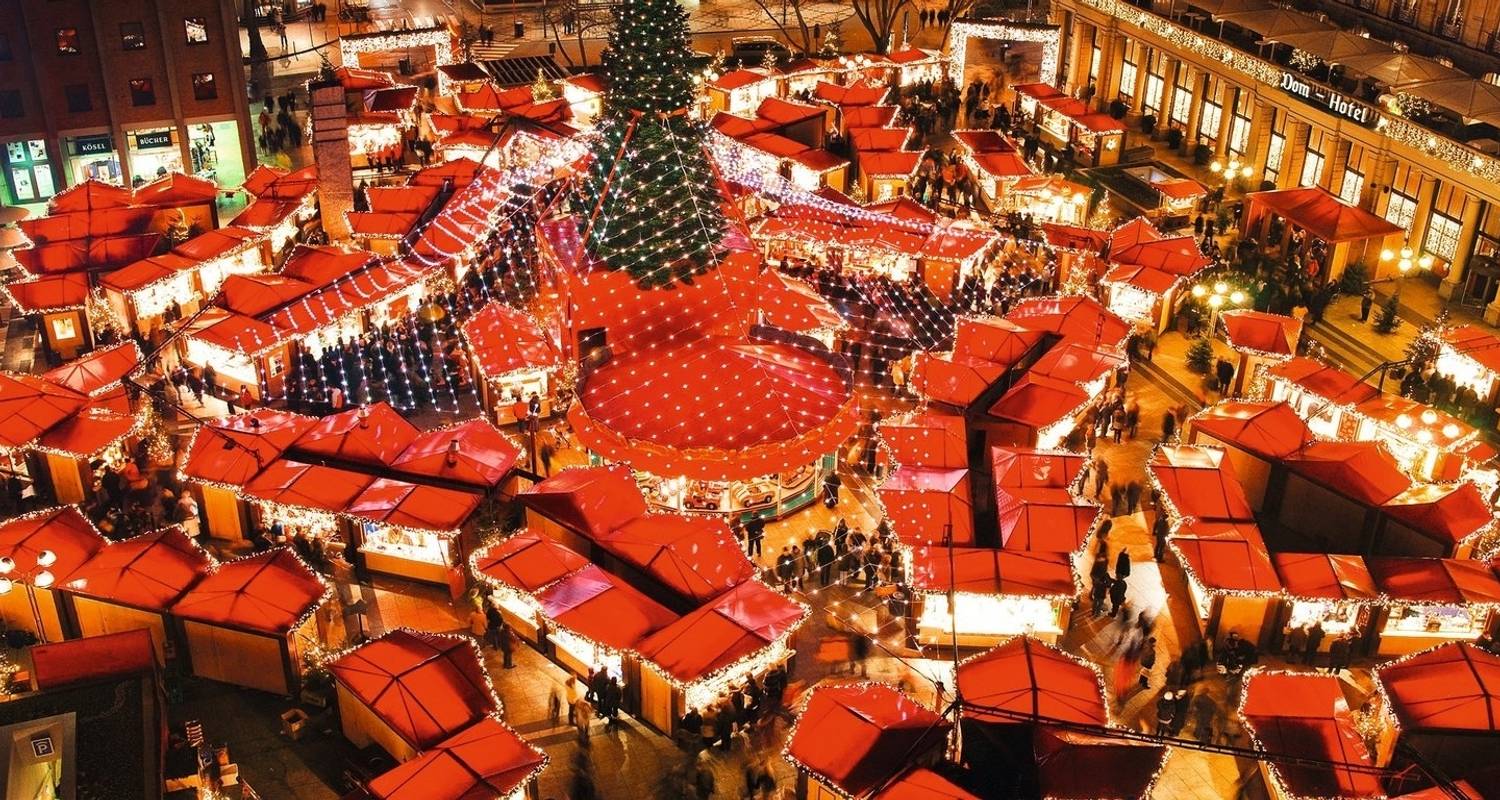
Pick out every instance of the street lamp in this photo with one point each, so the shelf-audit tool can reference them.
(39, 577)
(1231, 169)
(1216, 296)
(1406, 260)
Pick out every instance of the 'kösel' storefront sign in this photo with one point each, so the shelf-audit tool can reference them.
(1326, 98)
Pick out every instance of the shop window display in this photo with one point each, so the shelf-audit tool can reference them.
(196, 30)
(28, 175)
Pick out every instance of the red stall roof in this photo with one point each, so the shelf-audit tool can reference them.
(923, 784)
(1018, 469)
(89, 432)
(30, 406)
(982, 570)
(462, 171)
(926, 439)
(867, 140)
(1322, 214)
(786, 112)
(929, 505)
(60, 529)
(90, 195)
(98, 371)
(411, 505)
(482, 456)
(1199, 482)
(1176, 256)
(234, 449)
(372, 435)
(858, 93)
(953, 379)
(876, 116)
(598, 606)
(1079, 766)
(269, 592)
(590, 500)
(696, 557)
(486, 759)
(40, 295)
(425, 686)
(150, 571)
(1025, 676)
(528, 561)
(312, 486)
(1447, 514)
(504, 339)
(1044, 520)
(858, 737)
(1476, 342)
(176, 189)
(718, 635)
(212, 244)
(93, 658)
(1270, 430)
(1329, 383)
(1038, 401)
(1276, 334)
(995, 340)
(1227, 557)
(1306, 715)
(1443, 581)
(1323, 576)
(1361, 471)
(1451, 687)
(1075, 362)
(1073, 317)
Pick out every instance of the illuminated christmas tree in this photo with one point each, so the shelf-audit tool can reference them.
(650, 201)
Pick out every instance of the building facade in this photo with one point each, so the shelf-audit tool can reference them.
(122, 91)
(1441, 183)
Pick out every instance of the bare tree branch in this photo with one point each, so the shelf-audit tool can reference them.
(803, 33)
(879, 18)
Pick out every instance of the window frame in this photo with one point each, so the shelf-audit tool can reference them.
(212, 83)
(187, 32)
(137, 93)
(58, 38)
(140, 31)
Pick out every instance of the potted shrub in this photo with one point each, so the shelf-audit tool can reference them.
(1174, 138)
(1118, 109)
(1148, 124)
(1202, 154)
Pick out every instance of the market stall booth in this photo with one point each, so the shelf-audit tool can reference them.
(1429, 601)
(147, 294)
(486, 759)
(1046, 199)
(984, 350)
(1261, 340)
(513, 358)
(996, 594)
(1336, 593)
(1441, 703)
(1325, 231)
(1071, 317)
(408, 691)
(1079, 252)
(915, 65)
(248, 622)
(740, 91)
(1037, 412)
(926, 438)
(393, 211)
(284, 202)
(1308, 715)
(855, 740)
(225, 454)
(1469, 355)
(1320, 394)
(1092, 138)
(39, 553)
(931, 506)
(585, 96)
(1149, 272)
(1254, 435)
(185, 203)
(1329, 499)
(1233, 584)
(131, 584)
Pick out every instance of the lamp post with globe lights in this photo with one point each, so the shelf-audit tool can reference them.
(38, 577)
(1216, 296)
(1406, 260)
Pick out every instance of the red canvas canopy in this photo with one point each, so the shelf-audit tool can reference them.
(791, 406)
(926, 439)
(1073, 237)
(859, 737)
(312, 486)
(62, 530)
(876, 116)
(1073, 317)
(391, 99)
(786, 112)
(271, 183)
(929, 505)
(1078, 766)
(1017, 469)
(215, 243)
(1024, 676)
(889, 163)
(1446, 513)
(51, 293)
(1452, 687)
(59, 664)
(1320, 213)
(1324, 576)
(411, 505)
(1037, 91)
(923, 784)
(1074, 362)
(98, 371)
(875, 139)
(176, 189)
(1231, 558)
(355, 79)
(486, 759)
(696, 557)
(149, 572)
(474, 453)
(424, 686)
(590, 500)
(982, 570)
(527, 561)
(90, 195)
(1177, 256)
(722, 633)
(1478, 343)
(269, 592)
(1442, 581)
(382, 223)
(951, 378)
(373, 284)
(252, 295)
(1037, 401)
(374, 435)
(1261, 332)
(858, 93)
(598, 606)
(1044, 520)
(1329, 383)
(89, 432)
(30, 406)
(1270, 430)
(146, 272)
(234, 449)
(461, 171)
(1361, 471)
(999, 341)
(504, 339)
(1199, 482)
(1306, 715)
(1147, 279)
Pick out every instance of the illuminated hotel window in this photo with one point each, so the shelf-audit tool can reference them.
(67, 41)
(1312, 168)
(1152, 102)
(1127, 79)
(1274, 150)
(1442, 236)
(1353, 187)
(1401, 210)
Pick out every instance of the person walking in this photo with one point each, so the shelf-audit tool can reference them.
(505, 640)
(1314, 641)
(1224, 372)
(1117, 588)
(1296, 643)
(1101, 476)
(1160, 529)
(582, 717)
(1166, 712)
(826, 557)
(1099, 588)
(1122, 564)
(493, 622)
(1132, 496)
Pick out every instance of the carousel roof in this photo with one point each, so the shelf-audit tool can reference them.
(486, 759)
(149, 572)
(858, 738)
(1025, 677)
(424, 686)
(1271, 430)
(62, 530)
(270, 592)
(528, 561)
(716, 636)
(1451, 687)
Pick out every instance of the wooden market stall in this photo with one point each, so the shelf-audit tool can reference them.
(1429, 601)
(1261, 340)
(513, 359)
(1441, 703)
(486, 759)
(225, 454)
(1336, 593)
(1093, 138)
(1283, 220)
(1231, 579)
(850, 740)
(1149, 273)
(1286, 712)
(247, 623)
(39, 553)
(131, 584)
(154, 291)
(1254, 435)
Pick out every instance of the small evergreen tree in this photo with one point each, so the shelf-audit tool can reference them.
(650, 201)
(1388, 318)
(1200, 355)
(1356, 276)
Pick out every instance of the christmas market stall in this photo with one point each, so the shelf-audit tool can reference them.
(513, 359)
(486, 759)
(249, 621)
(1429, 601)
(1046, 198)
(226, 453)
(1330, 494)
(393, 213)
(1148, 272)
(740, 91)
(408, 691)
(994, 160)
(585, 97)
(284, 202)
(131, 584)
(1441, 703)
(1469, 355)
(1233, 584)
(1261, 340)
(1071, 317)
(859, 740)
(1254, 435)
(915, 65)
(147, 294)
(1094, 139)
(39, 552)
(1336, 593)
(1324, 231)
(1307, 715)
(984, 350)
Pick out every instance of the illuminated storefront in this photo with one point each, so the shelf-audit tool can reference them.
(216, 151)
(91, 157)
(28, 172)
(154, 152)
